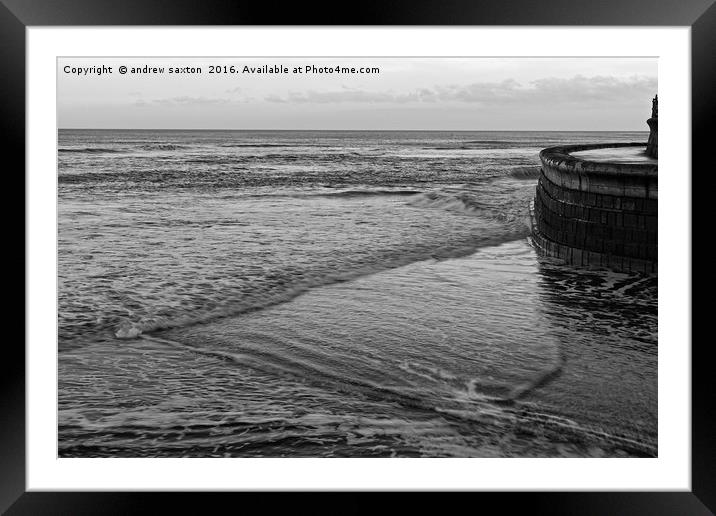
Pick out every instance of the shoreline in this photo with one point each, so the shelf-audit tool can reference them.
(318, 314)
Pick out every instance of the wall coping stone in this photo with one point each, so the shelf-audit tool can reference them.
(560, 157)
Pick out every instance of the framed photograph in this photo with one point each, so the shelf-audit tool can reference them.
(418, 250)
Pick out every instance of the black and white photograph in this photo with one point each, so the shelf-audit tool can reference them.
(357, 257)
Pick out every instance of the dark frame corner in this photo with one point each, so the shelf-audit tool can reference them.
(17, 15)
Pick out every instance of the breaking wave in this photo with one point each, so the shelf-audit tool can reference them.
(162, 146)
(461, 203)
(90, 150)
(290, 288)
(369, 192)
(524, 172)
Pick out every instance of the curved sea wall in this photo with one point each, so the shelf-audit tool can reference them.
(596, 213)
(652, 146)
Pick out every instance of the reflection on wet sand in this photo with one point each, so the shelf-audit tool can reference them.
(606, 326)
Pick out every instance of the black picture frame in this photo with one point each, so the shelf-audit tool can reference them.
(17, 15)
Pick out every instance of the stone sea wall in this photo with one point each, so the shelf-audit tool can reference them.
(652, 146)
(596, 213)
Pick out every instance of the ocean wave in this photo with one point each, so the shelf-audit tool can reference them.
(127, 328)
(467, 203)
(530, 419)
(455, 202)
(272, 145)
(497, 214)
(162, 146)
(465, 407)
(90, 150)
(496, 142)
(368, 192)
(524, 172)
(292, 286)
(477, 145)
(111, 150)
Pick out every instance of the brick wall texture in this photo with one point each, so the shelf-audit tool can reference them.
(584, 227)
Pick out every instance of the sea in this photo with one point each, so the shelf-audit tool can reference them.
(336, 294)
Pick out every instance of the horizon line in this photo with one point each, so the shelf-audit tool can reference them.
(352, 130)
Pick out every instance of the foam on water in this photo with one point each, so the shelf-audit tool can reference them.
(335, 294)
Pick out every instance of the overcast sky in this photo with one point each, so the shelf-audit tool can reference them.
(418, 93)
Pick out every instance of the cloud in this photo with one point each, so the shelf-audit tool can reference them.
(182, 101)
(578, 89)
(327, 97)
(599, 88)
